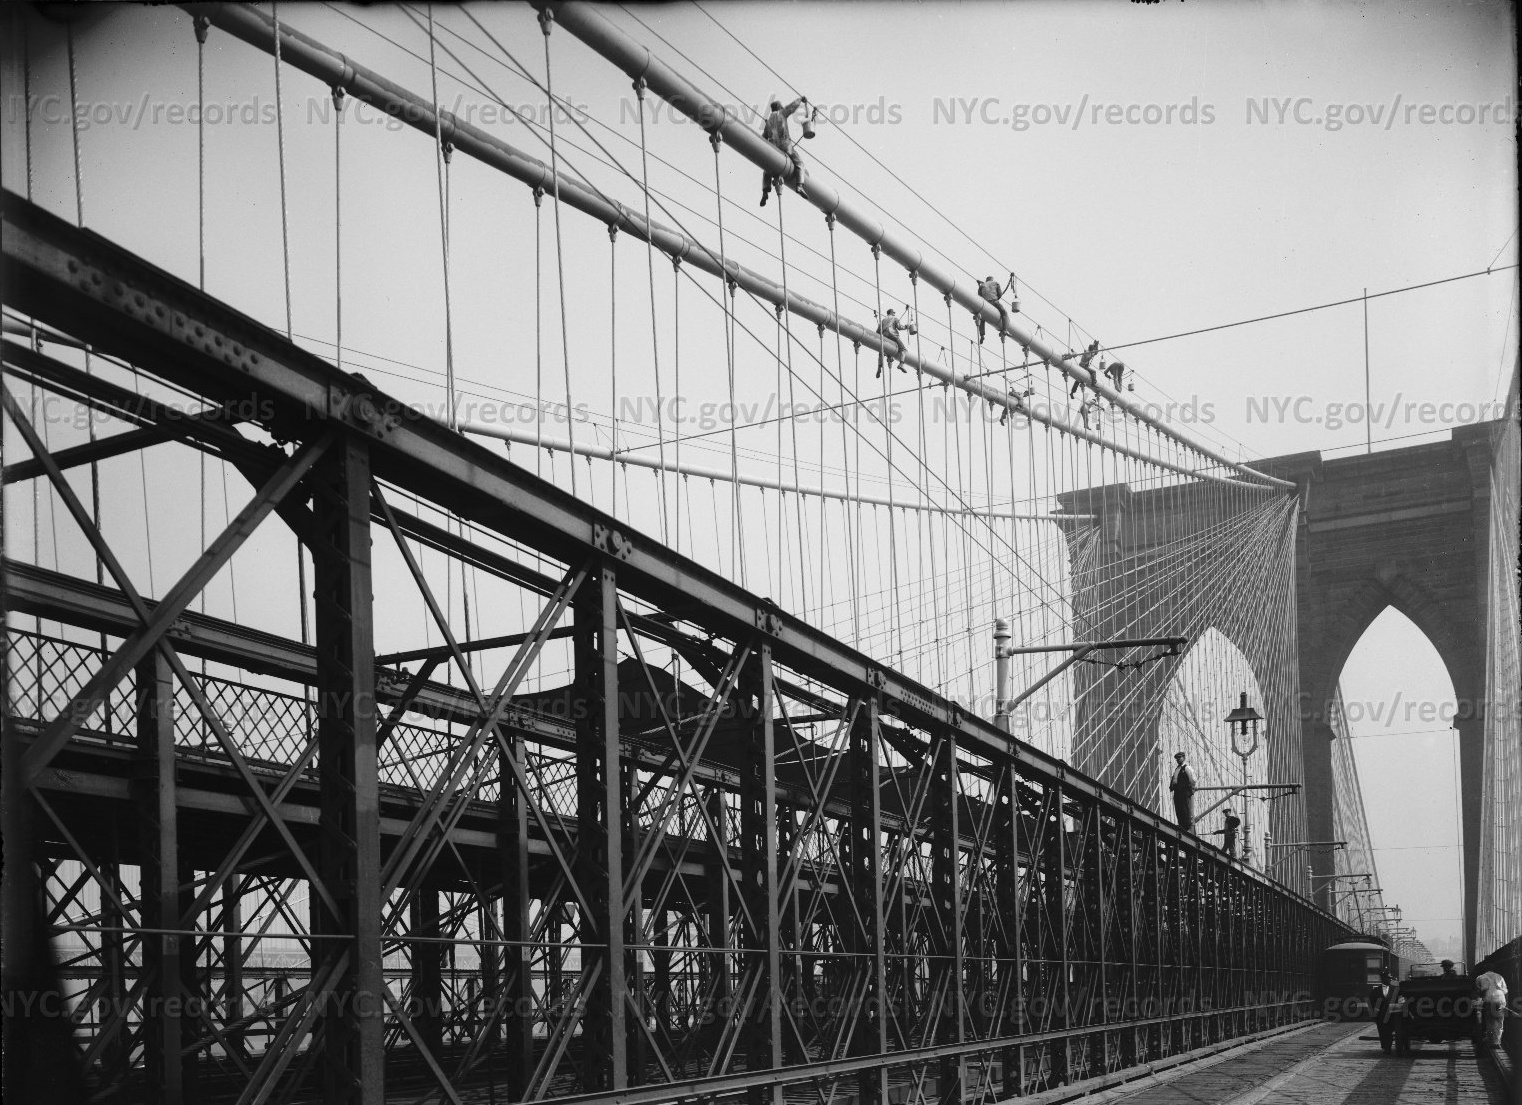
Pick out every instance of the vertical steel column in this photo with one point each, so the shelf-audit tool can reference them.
(948, 968)
(599, 843)
(758, 859)
(716, 934)
(195, 985)
(116, 1055)
(1011, 951)
(153, 787)
(901, 952)
(232, 963)
(24, 980)
(349, 861)
(1059, 837)
(634, 961)
(1099, 1005)
(975, 1001)
(1194, 950)
(1159, 948)
(491, 1007)
(1131, 950)
(427, 1002)
(660, 961)
(1178, 956)
(865, 877)
(513, 991)
(554, 954)
(787, 939)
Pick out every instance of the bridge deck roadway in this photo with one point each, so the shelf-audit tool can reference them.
(1329, 1064)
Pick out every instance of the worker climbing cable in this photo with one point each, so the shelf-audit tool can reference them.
(777, 131)
(1083, 363)
(990, 290)
(888, 329)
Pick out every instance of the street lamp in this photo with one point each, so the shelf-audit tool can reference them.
(1243, 723)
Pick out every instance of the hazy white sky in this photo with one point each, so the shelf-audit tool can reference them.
(1144, 169)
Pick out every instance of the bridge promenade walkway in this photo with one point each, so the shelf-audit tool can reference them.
(1326, 1064)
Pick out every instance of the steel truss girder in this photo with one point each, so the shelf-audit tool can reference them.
(1059, 856)
(118, 302)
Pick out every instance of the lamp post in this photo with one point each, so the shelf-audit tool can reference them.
(1331, 887)
(1243, 724)
(1001, 673)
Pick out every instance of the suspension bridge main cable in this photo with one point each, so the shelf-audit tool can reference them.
(602, 36)
(562, 187)
(252, 26)
(934, 209)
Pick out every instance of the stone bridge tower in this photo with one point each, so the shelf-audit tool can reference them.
(1404, 528)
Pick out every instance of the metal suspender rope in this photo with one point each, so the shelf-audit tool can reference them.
(826, 597)
(613, 369)
(442, 151)
(853, 528)
(925, 520)
(676, 368)
(783, 549)
(655, 343)
(538, 337)
(285, 255)
(338, 239)
(36, 392)
(736, 531)
(545, 22)
(962, 495)
(896, 637)
(785, 334)
(285, 232)
(441, 163)
(79, 219)
(201, 26)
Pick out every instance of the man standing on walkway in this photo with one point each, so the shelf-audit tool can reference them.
(1229, 833)
(1382, 1005)
(1182, 787)
(1493, 997)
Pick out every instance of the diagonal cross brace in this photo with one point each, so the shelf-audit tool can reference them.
(154, 626)
(158, 622)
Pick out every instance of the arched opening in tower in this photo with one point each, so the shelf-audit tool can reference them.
(1398, 706)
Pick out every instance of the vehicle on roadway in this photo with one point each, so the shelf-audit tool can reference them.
(1435, 1008)
(1348, 971)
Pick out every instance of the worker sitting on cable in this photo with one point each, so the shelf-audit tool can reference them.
(989, 289)
(1083, 362)
(888, 329)
(779, 134)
